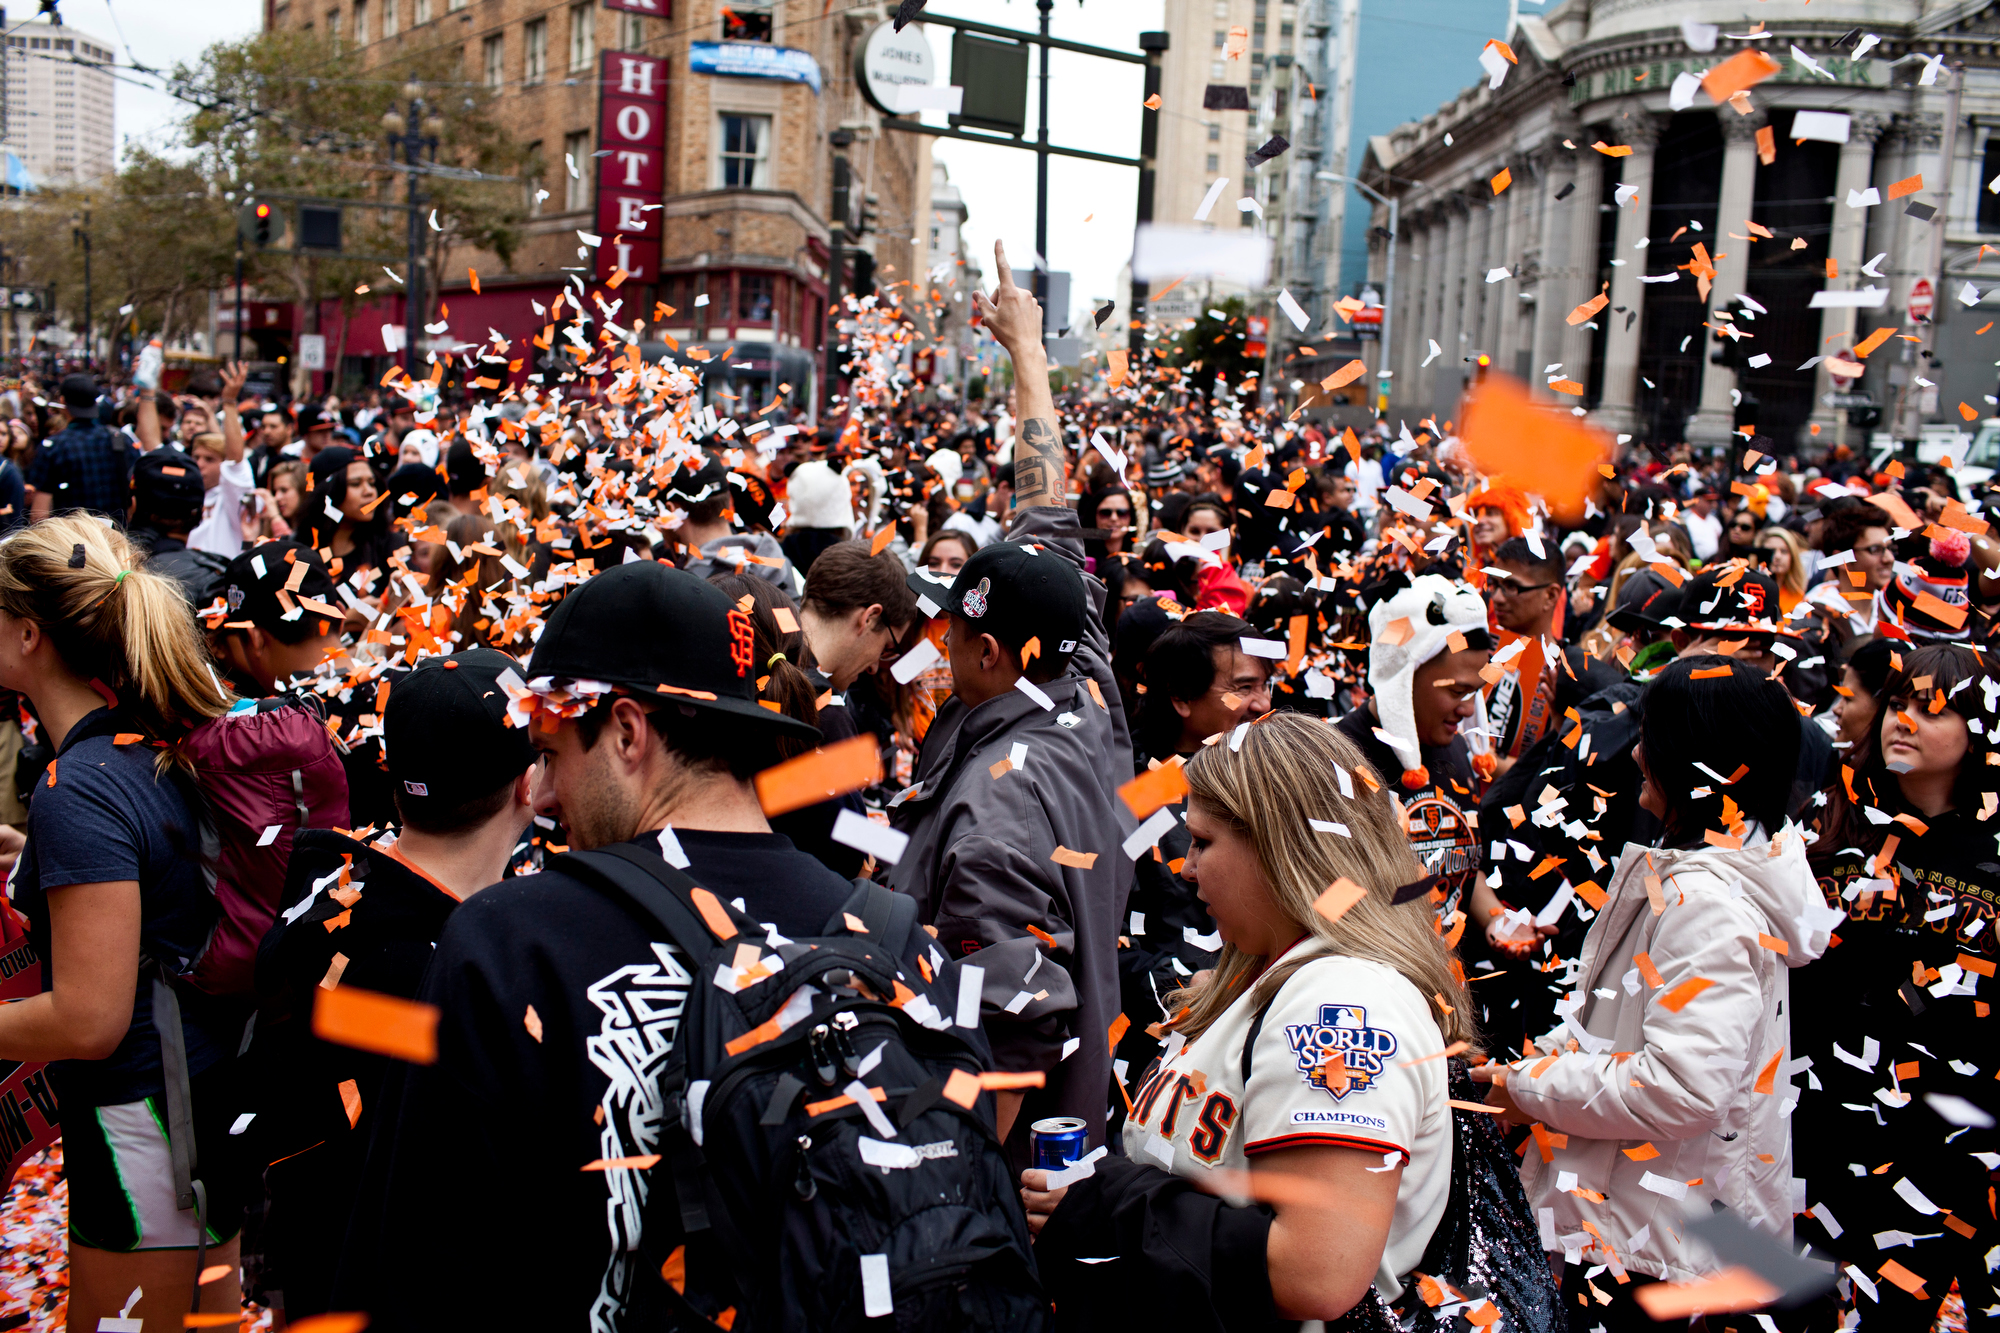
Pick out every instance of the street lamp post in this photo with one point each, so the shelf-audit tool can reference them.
(80, 235)
(1382, 369)
(417, 135)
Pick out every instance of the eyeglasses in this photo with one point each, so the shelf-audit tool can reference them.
(1514, 588)
(1872, 552)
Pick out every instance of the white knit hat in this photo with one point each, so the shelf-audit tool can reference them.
(817, 497)
(948, 466)
(1435, 608)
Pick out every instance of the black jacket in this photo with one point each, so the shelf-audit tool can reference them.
(310, 1153)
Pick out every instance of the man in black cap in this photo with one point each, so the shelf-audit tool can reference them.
(557, 1005)
(165, 508)
(464, 784)
(705, 495)
(83, 465)
(279, 631)
(1022, 864)
(315, 431)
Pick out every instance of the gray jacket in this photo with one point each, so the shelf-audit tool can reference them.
(1058, 528)
(979, 865)
(722, 555)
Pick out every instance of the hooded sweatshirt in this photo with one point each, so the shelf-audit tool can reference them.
(724, 554)
(1696, 1072)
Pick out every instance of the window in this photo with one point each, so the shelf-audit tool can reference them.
(1215, 134)
(333, 24)
(421, 14)
(361, 22)
(748, 22)
(754, 298)
(535, 51)
(453, 6)
(532, 178)
(1220, 38)
(1214, 163)
(1989, 203)
(494, 52)
(746, 147)
(576, 193)
(582, 35)
(389, 17)
(632, 32)
(1285, 32)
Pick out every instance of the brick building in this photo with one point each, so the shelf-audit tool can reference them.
(717, 124)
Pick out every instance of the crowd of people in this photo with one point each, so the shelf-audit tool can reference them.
(602, 848)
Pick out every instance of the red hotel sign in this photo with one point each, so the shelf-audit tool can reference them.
(631, 174)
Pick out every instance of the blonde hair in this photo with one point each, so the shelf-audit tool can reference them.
(112, 621)
(1794, 581)
(1268, 789)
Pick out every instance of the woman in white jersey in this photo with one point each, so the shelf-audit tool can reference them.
(1308, 1061)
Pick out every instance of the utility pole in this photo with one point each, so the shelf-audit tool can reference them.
(1154, 44)
(1047, 8)
(80, 235)
(1910, 424)
(417, 135)
(836, 231)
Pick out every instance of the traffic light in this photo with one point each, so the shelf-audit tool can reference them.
(260, 225)
(870, 218)
(1728, 351)
(843, 179)
(864, 273)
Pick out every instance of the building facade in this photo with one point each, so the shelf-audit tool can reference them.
(60, 120)
(1623, 180)
(700, 148)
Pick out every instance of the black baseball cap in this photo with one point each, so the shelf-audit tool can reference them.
(691, 485)
(167, 484)
(1018, 592)
(660, 632)
(1732, 598)
(445, 735)
(314, 417)
(252, 584)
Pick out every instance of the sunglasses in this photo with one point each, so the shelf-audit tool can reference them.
(1514, 588)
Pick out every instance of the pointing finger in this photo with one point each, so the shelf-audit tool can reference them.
(1006, 274)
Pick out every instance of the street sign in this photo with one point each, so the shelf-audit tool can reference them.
(891, 61)
(1842, 381)
(312, 351)
(1863, 399)
(1922, 300)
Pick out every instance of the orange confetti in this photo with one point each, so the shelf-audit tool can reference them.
(1644, 962)
(1588, 308)
(1149, 791)
(473, 274)
(1340, 895)
(1907, 185)
(713, 914)
(1732, 1289)
(820, 775)
(371, 1021)
(1063, 856)
(1613, 150)
(1152, 103)
(962, 1088)
(1677, 999)
(1743, 70)
(1502, 180)
(1542, 451)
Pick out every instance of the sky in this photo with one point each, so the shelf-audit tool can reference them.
(155, 33)
(1094, 104)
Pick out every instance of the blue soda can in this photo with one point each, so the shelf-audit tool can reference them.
(1058, 1142)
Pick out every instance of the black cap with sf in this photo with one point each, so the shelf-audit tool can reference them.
(660, 632)
(252, 585)
(1018, 592)
(445, 736)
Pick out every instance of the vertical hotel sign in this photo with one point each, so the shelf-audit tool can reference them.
(631, 171)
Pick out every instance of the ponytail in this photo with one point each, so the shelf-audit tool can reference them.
(782, 682)
(112, 622)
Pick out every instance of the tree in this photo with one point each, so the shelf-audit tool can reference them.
(1216, 345)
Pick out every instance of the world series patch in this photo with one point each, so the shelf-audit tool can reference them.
(1342, 1030)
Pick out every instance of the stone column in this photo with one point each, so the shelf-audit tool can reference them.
(1557, 291)
(1513, 227)
(1909, 247)
(1618, 409)
(1715, 420)
(1454, 332)
(1413, 283)
(1436, 266)
(1584, 214)
(1847, 247)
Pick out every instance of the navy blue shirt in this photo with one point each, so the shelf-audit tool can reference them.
(82, 467)
(109, 817)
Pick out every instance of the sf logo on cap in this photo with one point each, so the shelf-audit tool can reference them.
(974, 603)
(742, 642)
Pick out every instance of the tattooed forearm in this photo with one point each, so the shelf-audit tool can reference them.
(1038, 460)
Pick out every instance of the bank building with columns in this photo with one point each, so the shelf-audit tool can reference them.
(1778, 217)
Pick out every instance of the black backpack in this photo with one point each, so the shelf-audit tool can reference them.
(762, 1201)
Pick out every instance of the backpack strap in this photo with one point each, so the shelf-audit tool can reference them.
(657, 890)
(189, 1191)
(887, 917)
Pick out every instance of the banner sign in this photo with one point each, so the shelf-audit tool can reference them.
(631, 171)
(28, 1121)
(754, 60)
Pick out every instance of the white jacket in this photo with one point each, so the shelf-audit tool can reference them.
(1688, 1086)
